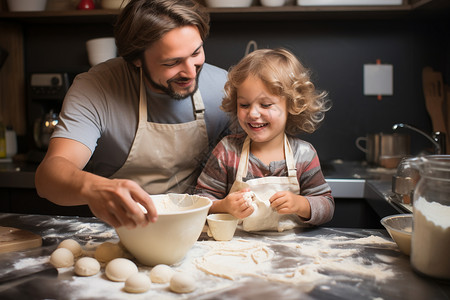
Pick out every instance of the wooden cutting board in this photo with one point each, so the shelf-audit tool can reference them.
(13, 239)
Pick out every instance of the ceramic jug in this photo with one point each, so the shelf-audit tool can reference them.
(430, 242)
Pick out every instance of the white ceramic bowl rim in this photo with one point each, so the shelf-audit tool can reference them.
(208, 204)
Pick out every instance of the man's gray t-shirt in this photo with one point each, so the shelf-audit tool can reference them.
(100, 110)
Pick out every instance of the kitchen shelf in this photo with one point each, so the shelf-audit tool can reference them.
(242, 13)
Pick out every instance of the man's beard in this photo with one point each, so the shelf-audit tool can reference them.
(169, 89)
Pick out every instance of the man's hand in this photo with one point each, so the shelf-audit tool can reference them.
(116, 202)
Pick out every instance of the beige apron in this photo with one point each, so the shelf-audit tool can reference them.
(264, 217)
(166, 157)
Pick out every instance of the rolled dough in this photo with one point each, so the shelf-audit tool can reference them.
(62, 258)
(108, 251)
(87, 266)
(73, 246)
(161, 274)
(137, 283)
(182, 283)
(119, 269)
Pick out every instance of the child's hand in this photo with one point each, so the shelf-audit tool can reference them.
(286, 202)
(236, 205)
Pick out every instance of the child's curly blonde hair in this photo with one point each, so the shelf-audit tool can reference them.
(284, 76)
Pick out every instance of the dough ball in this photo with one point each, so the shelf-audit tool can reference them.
(108, 251)
(161, 274)
(62, 258)
(182, 283)
(137, 283)
(87, 266)
(119, 269)
(72, 245)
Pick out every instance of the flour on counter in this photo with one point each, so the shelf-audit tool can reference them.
(314, 259)
(236, 258)
(30, 262)
(302, 262)
(78, 229)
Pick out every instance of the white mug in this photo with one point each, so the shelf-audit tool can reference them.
(100, 50)
(222, 226)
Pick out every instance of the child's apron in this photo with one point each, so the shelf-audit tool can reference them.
(264, 217)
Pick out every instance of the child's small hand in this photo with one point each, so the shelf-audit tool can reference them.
(236, 205)
(286, 202)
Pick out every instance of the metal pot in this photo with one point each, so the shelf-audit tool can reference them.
(385, 150)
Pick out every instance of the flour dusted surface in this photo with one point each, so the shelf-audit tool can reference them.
(300, 263)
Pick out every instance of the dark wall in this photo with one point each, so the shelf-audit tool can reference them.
(335, 51)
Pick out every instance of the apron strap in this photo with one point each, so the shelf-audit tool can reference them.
(199, 107)
(243, 162)
(290, 164)
(142, 99)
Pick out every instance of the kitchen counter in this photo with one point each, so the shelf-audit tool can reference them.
(351, 264)
(17, 174)
(353, 180)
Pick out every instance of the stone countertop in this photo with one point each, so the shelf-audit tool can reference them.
(367, 265)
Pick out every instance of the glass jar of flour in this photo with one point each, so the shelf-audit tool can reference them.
(430, 244)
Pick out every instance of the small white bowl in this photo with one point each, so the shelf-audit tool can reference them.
(222, 226)
(228, 3)
(27, 5)
(273, 3)
(400, 229)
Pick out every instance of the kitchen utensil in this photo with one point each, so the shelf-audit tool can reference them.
(37, 270)
(222, 226)
(181, 219)
(433, 89)
(100, 50)
(13, 239)
(399, 228)
(27, 5)
(431, 209)
(385, 150)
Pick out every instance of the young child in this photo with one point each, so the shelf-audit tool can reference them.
(266, 176)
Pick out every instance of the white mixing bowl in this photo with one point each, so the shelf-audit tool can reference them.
(181, 218)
